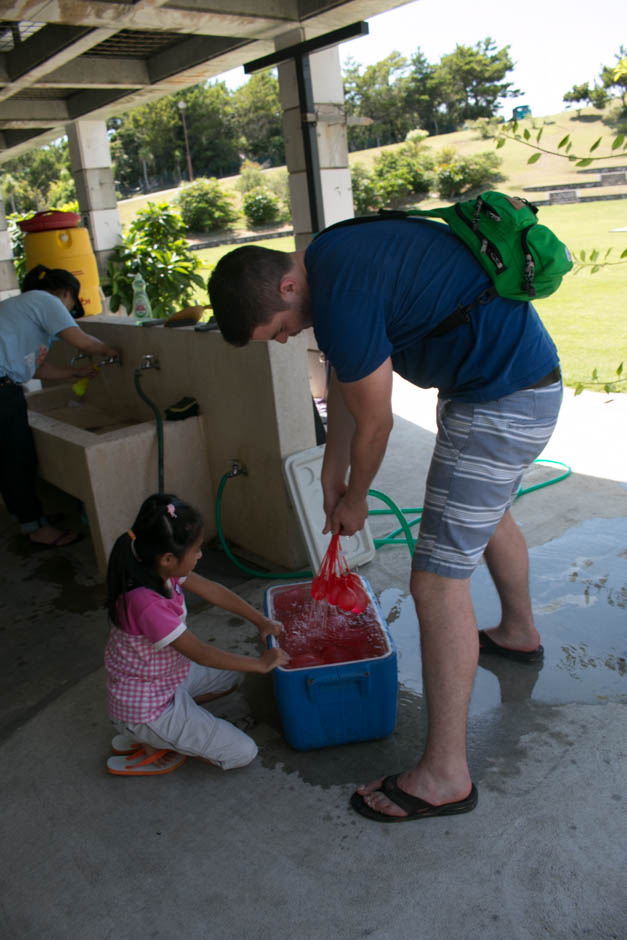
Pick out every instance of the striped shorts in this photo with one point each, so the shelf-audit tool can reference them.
(482, 450)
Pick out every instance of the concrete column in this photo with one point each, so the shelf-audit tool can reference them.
(328, 93)
(8, 275)
(90, 161)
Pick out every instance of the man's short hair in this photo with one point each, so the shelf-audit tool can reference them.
(244, 290)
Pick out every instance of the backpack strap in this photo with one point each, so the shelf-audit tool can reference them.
(459, 316)
(462, 314)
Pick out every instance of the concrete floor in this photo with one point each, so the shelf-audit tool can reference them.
(273, 850)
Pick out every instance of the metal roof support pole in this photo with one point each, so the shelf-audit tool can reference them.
(310, 142)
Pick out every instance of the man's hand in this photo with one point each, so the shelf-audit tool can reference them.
(333, 493)
(348, 517)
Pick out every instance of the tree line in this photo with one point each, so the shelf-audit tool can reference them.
(225, 127)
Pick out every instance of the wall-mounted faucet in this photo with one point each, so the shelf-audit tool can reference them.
(77, 356)
(148, 361)
(110, 361)
(237, 468)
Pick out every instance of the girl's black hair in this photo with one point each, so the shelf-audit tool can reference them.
(164, 524)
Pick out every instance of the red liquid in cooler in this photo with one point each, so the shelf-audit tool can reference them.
(318, 634)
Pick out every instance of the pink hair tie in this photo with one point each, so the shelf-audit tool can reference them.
(171, 510)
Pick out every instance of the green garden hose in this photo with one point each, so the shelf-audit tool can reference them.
(159, 421)
(229, 554)
(391, 539)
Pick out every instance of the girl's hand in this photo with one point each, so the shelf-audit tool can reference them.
(269, 627)
(84, 372)
(271, 658)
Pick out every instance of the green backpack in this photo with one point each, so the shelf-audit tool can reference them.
(523, 259)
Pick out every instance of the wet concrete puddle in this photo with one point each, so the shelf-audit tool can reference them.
(579, 593)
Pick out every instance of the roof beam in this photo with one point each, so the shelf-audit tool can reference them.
(94, 71)
(33, 112)
(196, 50)
(44, 45)
(147, 15)
(45, 51)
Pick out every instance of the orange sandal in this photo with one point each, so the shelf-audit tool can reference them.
(140, 764)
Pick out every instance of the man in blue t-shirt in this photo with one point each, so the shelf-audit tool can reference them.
(380, 297)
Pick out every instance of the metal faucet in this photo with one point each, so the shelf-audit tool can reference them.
(237, 468)
(77, 356)
(109, 361)
(148, 361)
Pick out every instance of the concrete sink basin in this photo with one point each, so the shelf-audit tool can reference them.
(62, 406)
(109, 460)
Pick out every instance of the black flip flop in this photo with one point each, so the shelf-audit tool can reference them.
(487, 645)
(413, 805)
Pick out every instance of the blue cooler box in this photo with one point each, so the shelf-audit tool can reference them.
(321, 706)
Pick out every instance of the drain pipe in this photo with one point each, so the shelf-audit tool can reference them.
(151, 362)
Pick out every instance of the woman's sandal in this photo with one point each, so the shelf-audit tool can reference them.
(139, 764)
(62, 540)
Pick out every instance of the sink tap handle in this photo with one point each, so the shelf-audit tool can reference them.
(77, 356)
(110, 360)
(149, 361)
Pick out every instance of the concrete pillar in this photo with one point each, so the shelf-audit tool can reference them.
(90, 162)
(328, 93)
(8, 275)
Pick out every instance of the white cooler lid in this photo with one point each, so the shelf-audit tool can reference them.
(302, 472)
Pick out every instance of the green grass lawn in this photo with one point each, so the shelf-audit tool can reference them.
(586, 316)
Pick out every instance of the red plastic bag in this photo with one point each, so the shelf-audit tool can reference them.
(336, 584)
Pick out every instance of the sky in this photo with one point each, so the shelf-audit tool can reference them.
(554, 43)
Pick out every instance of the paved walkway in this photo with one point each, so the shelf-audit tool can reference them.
(273, 851)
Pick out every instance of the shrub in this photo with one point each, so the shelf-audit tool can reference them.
(365, 195)
(402, 173)
(463, 175)
(250, 176)
(278, 183)
(416, 136)
(17, 242)
(62, 190)
(205, 206)
(261, 206)
(154, 247)
(487, 128)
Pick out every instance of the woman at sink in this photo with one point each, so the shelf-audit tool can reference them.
(30, 322)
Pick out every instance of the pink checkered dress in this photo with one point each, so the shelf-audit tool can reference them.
(143, 669)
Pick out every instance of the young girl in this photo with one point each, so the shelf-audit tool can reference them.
(157, 670)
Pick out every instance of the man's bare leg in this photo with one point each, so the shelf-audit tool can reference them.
(450, 650)
(507, 558)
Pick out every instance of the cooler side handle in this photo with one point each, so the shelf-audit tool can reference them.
(362, 679)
